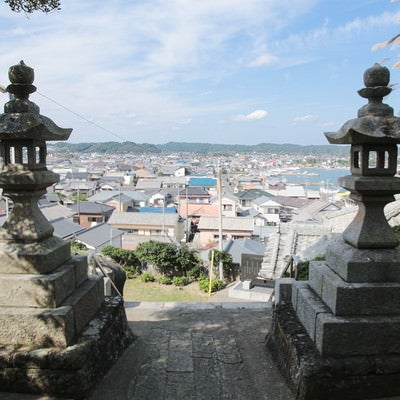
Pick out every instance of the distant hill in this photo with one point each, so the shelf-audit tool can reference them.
(105, 147)
(180, 147)
(175, 147)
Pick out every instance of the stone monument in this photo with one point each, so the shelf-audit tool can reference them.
(337, 335)
(58, 333)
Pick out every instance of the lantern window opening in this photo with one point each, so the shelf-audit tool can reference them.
(37, 155)
(372, 159)
(356, 159)
(24, 155)
(10, 154)
(42, 154)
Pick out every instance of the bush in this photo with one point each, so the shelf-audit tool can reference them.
(130, 271)
(197, 273)
(161, 255)
(165, 280)
(147, 277)
(180, 280)
(125, 258)
(216, 285)
(168, 258)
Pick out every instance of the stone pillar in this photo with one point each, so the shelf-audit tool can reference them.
(337, 335)
(58, 334)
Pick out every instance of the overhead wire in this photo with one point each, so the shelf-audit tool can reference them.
(83, 117)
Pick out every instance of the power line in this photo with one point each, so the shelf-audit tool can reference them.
(82, 117)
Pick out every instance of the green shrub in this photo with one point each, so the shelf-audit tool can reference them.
(165, 280)
(146, 277)
(180, 280)
(125, 258)
(216, 284)
(130, 271)
(197, 273)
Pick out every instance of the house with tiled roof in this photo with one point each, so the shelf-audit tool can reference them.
(232, 228)
(195, 195)
(90, 213)
(141, 227)
(99, 236)
(246, 197)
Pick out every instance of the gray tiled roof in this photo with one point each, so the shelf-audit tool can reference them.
(135, 218)
(98, 235)
(65, 228)
(91, 207)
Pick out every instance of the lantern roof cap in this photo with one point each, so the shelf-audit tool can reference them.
(21, 118)
(376, 122)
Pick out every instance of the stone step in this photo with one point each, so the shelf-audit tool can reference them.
(52, 327)
(44, 290)
(344, 336)
(34, 258)
(344, 298)
(358, 265)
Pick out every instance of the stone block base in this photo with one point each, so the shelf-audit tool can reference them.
(72, 371)
(313, 377)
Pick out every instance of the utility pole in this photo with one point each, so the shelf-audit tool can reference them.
(220, 247)
(187, 214)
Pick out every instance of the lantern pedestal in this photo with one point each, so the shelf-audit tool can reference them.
(58, 333)
(336, 336)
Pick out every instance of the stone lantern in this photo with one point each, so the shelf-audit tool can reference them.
(58, 333)
(23, 175)
(336, 336)
(373, 137)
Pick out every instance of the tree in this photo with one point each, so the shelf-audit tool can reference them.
(186, 260)
(223, 256)
(162, 255)
(394, 41)
(29, 6)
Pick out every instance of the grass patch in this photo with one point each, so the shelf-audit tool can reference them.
(136, 290)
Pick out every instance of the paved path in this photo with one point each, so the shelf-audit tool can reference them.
(195, 351)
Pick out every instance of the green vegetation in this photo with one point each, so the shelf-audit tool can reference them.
(106, 147)
(180, 280)
(216, 285)
(146, 277)
(75, 197)
(226, 259)
(127, 259)
(79, 248)
(165, 280)
(29, 6)
(176, 265)
(136, 290)
(168, 259)
(303, 268)
(177, 147)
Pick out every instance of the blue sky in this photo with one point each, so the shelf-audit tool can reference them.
(218, 71)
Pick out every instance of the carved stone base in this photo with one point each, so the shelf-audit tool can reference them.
(69, 372)
(313, 377)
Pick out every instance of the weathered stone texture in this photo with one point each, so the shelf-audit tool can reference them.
(34, 258)
(72, 371)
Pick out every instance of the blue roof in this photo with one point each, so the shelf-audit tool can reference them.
(158, 210)
(206, 182)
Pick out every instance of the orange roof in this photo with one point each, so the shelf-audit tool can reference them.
(196, 209)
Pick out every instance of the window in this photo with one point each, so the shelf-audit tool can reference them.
(95, 219)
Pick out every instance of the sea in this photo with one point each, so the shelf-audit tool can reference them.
(315, 178)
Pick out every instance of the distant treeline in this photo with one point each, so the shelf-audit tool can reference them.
(206, 148)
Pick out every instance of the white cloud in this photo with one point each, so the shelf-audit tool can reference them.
(305, 118)
(264, 59)
(257, 114)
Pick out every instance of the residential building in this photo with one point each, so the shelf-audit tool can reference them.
(90, 213)
(232, 228)
(144, 226)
